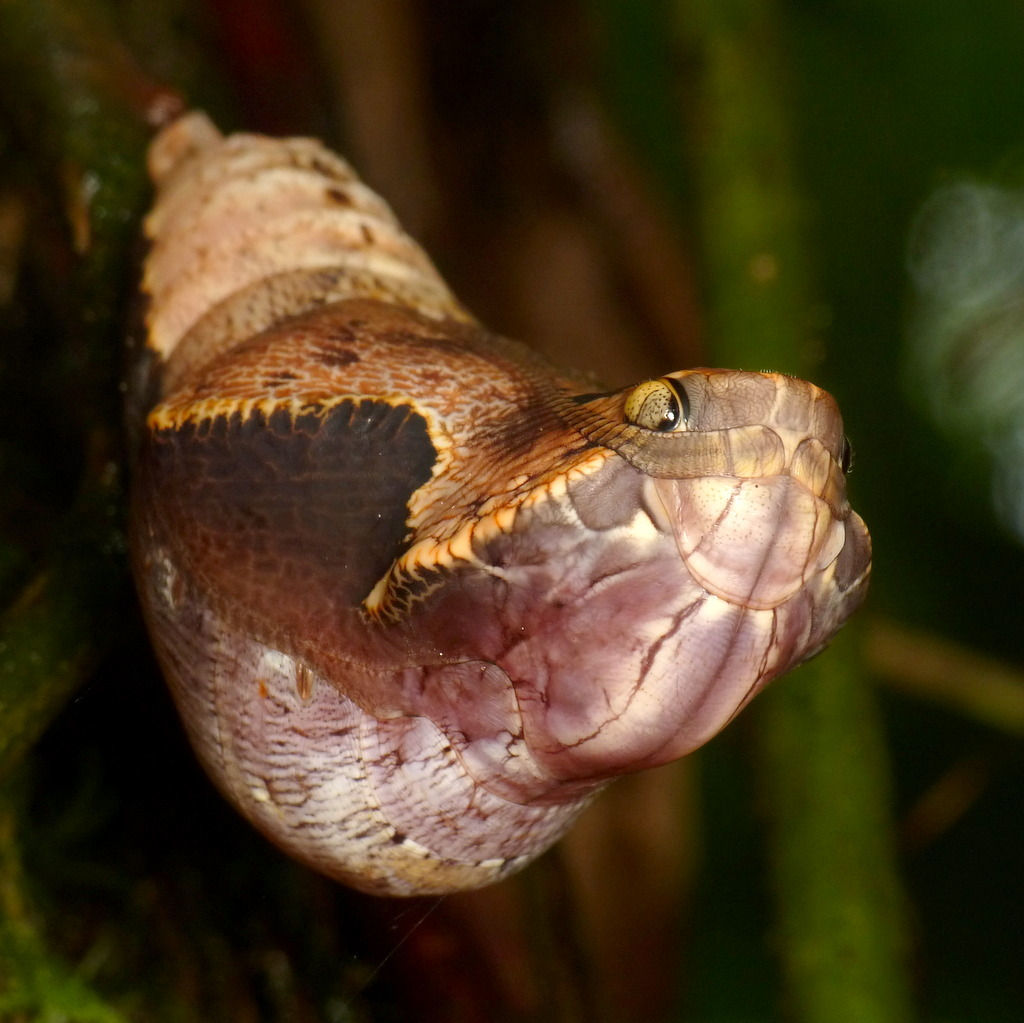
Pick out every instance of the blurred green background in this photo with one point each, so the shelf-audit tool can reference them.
(562, 161)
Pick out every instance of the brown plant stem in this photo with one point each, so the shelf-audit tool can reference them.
(930, 667)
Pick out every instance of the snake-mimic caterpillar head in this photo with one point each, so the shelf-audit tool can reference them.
(417, 594)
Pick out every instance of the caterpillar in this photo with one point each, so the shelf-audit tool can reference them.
(419, 595)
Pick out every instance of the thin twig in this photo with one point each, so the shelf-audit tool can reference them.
(936, 669)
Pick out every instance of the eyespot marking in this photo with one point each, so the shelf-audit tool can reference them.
(660, 405)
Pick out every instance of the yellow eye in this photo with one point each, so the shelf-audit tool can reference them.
(660, 405)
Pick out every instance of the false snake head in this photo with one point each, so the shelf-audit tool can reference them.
(417, 594)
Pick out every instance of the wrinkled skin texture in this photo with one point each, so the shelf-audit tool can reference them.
(417, 594)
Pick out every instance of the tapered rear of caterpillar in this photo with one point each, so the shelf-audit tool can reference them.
(419, 595)
(249, 230)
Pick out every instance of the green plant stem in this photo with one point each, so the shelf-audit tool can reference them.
(760, 306)
(822, 769)
(66, 617)
(820, 761)
(32, 985)
(77, 113)
(81, 114)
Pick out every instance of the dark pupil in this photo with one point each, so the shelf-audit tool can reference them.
(846, 456)
(681, 404)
